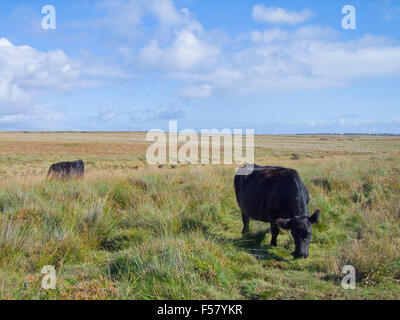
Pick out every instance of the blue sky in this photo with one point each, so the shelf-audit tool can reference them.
(272, 66)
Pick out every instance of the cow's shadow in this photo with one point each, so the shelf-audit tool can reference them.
(252, 243)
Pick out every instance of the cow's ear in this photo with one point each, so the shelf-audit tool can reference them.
(284, 223)
(315, 217)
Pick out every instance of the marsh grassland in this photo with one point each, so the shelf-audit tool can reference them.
(133, 231)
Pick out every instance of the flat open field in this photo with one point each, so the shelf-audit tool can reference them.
(130, 230)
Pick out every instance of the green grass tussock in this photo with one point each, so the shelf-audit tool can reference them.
(149, 233)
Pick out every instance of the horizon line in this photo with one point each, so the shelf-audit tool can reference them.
(256, 134)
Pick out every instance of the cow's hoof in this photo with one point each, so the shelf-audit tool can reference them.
(274, 244)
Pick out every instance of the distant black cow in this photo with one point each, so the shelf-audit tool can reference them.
(279, 196)
(74, 169)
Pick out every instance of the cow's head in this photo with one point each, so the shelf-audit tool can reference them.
(301, 231)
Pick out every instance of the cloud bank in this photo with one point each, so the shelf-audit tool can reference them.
(156, 41)
(274, 15)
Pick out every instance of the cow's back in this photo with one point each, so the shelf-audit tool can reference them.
(269, 193)
(67, 169)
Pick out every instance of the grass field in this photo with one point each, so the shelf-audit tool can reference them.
(133, 231)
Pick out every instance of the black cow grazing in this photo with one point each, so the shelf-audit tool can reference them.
(279, 196)
(74, 169)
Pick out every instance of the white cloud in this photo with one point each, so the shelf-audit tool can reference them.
(186, 51)
(27, 75)
(314, 32)
(177, 40)
(269, 35)
(165, 11)
(346, 61)
(299, 60)
(152, 54)
(224, 76)
(280, 16)
(27, 72)
(311, 32)
(304, 58)
(171, 112)
(37, 114)
(124, 18)
(202, 91)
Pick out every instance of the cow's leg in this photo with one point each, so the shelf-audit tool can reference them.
(246, 221)
(274, 233)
